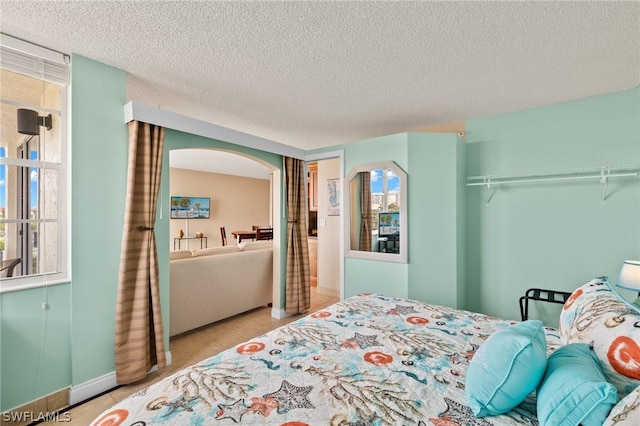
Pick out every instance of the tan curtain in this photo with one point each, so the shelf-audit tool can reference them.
(365, 211)
(298, 283)
(139, 333)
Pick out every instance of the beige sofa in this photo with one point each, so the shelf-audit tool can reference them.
(212, 284)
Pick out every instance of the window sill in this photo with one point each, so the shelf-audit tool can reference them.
(8, 285)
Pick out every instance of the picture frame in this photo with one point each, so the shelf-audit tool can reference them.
(190, 207)
(333, 197)
(389, 224)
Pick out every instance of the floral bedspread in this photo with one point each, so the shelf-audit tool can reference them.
(368, 360)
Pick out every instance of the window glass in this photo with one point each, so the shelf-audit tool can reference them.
(31, 166)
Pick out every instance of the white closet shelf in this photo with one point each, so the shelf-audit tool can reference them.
(603, 174)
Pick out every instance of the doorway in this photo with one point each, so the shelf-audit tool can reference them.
(325, 224)
(238, 189)
(244, 192)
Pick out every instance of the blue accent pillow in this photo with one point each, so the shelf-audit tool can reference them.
(506, 368)
(574, 389)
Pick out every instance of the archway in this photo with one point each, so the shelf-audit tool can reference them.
(243, 190)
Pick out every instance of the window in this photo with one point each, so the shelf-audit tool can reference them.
(33, 165)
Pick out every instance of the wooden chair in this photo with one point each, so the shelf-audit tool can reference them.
(264, 233)
(223, 235)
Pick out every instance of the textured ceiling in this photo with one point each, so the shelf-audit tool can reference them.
(313, 74)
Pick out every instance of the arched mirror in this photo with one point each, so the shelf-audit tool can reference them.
(376, 222)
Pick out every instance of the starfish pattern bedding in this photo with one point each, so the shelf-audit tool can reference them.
(368, 360)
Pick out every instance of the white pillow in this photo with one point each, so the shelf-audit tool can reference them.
(257, 245)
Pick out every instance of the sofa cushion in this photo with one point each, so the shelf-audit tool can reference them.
(179, 254)
(205, 289)
(255, 245)
(596, 315)
(215, 250)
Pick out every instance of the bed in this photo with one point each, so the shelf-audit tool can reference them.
(367, 360)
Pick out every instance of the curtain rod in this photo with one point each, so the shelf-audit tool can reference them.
(171, 120)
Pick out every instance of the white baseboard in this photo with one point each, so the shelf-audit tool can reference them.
(92, 387)
(279, 313)
(101, 384)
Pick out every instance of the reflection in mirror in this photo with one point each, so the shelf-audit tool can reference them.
(377, 222)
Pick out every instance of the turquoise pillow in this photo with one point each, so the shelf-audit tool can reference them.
(506, 368)
(574, 390)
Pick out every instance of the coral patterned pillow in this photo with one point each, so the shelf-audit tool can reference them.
(594, 314)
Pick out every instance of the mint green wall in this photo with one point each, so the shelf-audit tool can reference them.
(436, 218)
(551, 235)
(461, 217)
(385, 148)
(427, 158)
(99, 178)
(36, 352)
(367, 275)
(99, 192)
(434, 164)
(80, 322)
(548, 235)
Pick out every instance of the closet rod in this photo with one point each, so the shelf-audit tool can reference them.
(601, 173)
(489, 180)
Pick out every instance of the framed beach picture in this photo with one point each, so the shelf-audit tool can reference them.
(190, 207)
(333, 197)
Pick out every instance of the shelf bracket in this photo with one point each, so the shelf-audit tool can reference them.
(604, 179)
(490, 191)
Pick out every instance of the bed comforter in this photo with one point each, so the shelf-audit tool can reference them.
(368, 360)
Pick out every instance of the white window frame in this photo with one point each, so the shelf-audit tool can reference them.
(53, 67)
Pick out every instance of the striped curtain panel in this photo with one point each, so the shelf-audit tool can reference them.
(298, 282)
(139, 332)
(365, 211)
